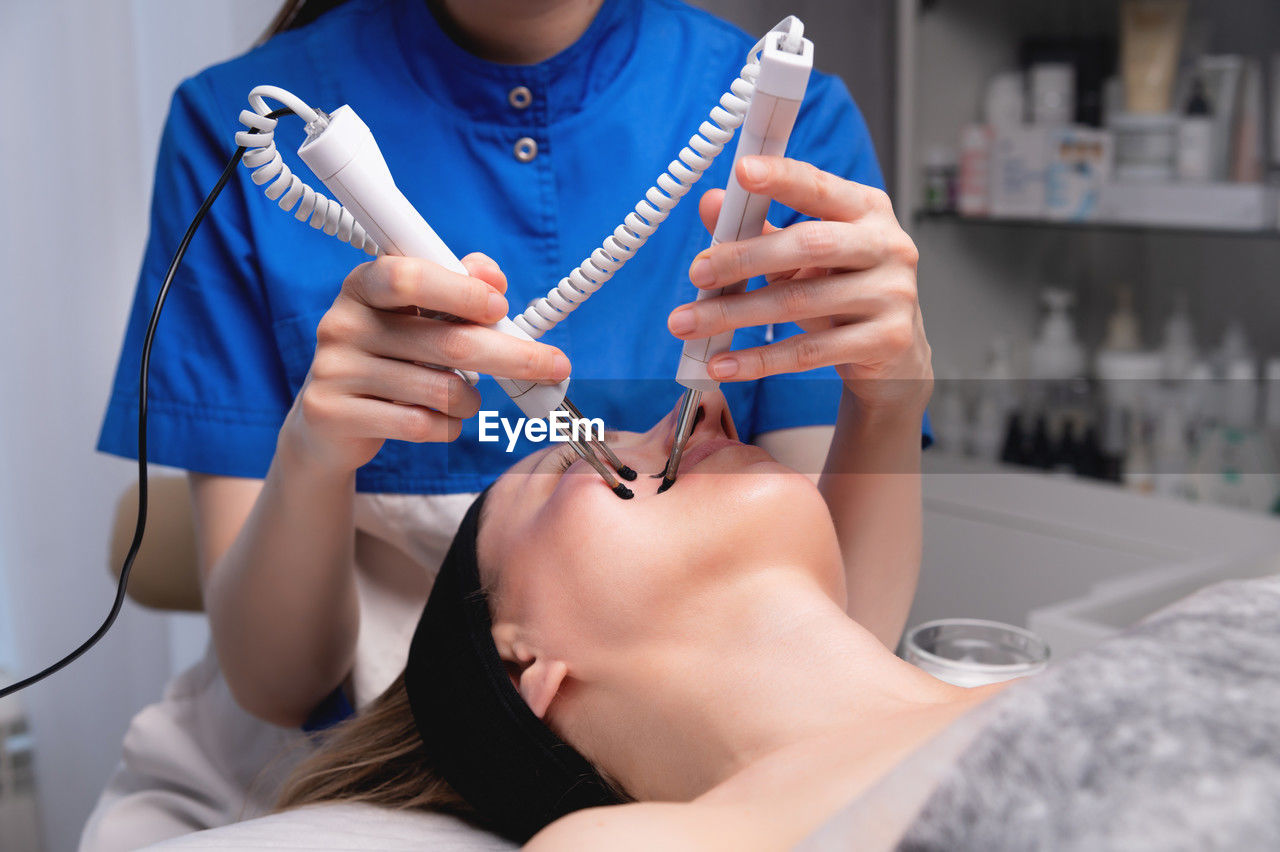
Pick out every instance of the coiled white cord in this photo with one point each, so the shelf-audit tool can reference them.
(325, 214)
(660, 199)
(287, 189)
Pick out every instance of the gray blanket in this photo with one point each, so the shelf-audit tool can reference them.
(1166, 738)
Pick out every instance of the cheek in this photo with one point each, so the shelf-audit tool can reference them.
(775, 516)
(588, 556)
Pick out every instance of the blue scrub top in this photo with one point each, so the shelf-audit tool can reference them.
(608, 113)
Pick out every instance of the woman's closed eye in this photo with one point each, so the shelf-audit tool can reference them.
(567, 457)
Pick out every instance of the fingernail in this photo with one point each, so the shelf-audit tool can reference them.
(681, 321)
(754, 169)
(724, 368)
(701, 273)
(497, 305)
(560, 365)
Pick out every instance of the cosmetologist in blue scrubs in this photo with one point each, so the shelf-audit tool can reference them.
(532, 165)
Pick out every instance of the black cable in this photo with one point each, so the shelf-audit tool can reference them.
(147, 340)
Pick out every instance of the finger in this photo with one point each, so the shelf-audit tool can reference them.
(390, 283)
(361, 374)
(709, 209)
(481, 266)
(804, 245)
(782, 301)
(848, 344)
(809, 190)
(365, 417)
(465, 346)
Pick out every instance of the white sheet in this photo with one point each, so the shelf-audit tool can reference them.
(344, 828)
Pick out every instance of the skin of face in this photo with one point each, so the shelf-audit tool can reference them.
(578, 575)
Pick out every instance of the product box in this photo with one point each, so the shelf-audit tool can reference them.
(1079, 166)
(1019, 158)
(1213, 206)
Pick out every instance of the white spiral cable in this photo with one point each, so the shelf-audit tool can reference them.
(286, 188)
(660, 199)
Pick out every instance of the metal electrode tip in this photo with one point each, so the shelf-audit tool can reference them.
(688, 417)
(600, 446)
(585, 451)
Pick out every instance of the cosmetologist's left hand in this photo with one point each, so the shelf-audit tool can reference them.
(848, 280)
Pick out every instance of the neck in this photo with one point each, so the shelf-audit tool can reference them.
(515, 32)
(777, 671)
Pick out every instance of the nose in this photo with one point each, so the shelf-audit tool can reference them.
(716, 420)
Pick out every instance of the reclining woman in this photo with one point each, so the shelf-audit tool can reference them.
(687, 658)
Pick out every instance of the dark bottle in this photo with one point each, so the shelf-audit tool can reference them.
(1089, 457)
(1011, 451)
(1041, 453)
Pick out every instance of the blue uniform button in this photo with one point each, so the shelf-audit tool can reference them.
(520, 97)
(525, 149)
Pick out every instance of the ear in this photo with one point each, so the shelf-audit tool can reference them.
(540, 682)
(536, 676)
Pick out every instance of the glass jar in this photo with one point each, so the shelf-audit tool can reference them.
(973, 651)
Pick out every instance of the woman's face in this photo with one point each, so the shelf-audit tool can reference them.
(582, 571)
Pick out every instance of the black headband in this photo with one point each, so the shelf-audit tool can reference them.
(480, 735)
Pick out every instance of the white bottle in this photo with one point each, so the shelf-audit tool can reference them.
(950, 420)
(973, 184)
(1138, 473)
(1235, 467)
(1057, 355)
(1122, 326)
(996, 400)
(1195, 137)
(1271, 410)
(1171, 453)
(1178, 353)
(1271, 417)
(1004, 103)
(1053, 93)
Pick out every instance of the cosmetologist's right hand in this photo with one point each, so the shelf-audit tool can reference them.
(367, 381)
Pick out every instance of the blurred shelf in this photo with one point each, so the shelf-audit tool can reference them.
(1097, 226)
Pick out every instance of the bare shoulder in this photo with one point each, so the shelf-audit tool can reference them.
(671, 827)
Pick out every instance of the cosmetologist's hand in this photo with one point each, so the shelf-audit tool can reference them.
(848, 280)
(368, 381)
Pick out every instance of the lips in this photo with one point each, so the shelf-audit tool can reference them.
(696, 454)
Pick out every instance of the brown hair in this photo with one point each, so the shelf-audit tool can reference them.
(377, 757)
(297, 13)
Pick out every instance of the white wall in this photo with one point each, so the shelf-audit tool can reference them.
(85, 84)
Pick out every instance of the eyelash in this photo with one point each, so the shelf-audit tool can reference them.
(566, 461)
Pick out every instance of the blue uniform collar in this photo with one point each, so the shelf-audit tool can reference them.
(560, 86)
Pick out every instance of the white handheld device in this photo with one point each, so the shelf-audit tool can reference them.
(784, 76)
(786, 61)
(345, 156)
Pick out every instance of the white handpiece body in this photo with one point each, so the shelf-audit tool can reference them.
(780, 88)
(345, 156)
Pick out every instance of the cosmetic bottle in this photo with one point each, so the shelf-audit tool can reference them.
(1195, 137)
(1178, 350)
(1056, 354)
(950, 421)
(1235, 466)
(1138, 473)
(1013, 450)
(1171, 453)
